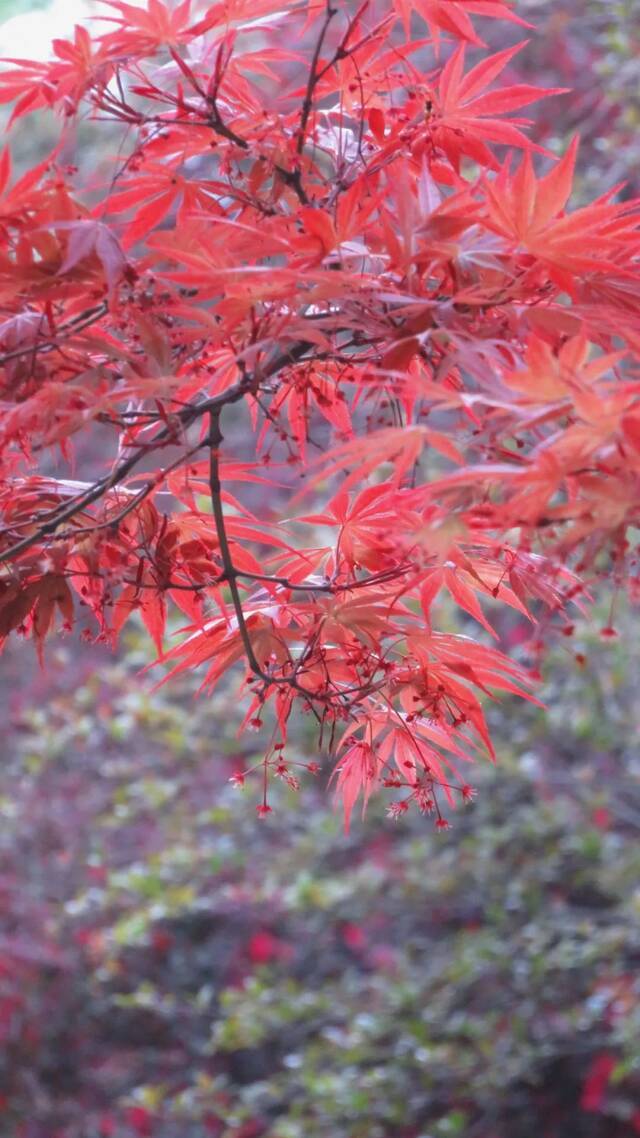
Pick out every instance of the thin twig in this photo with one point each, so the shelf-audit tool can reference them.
(307, 103)
(215, 486)
(185, 418)
(77, 324)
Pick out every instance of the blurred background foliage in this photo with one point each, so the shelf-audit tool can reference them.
(172, 968)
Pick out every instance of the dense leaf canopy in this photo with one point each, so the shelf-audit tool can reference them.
(326, 234)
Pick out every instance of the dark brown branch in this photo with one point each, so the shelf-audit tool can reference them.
(78, 324)
(327, 586)
(166, 436)
(214, 441)
(216, 122)
(139, 496)
(230, 574)
(307, 103)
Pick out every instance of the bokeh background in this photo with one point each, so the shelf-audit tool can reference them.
(172, 968)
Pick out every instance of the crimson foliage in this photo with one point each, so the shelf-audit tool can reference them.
(312, 219)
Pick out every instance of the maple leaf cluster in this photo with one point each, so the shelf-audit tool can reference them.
(325, 230)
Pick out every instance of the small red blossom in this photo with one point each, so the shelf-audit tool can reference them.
(395, 810)
(162, 941)
(264, 947)
(354, 937)
(601, 817)
(594, 1088)
(140, 1120)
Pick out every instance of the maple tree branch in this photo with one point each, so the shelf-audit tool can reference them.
(213, 118)
(327, 586)
(342, 51)
(216, 122)
(291, 178)
(77, 324)
(99, 488)
(230, 574)
(307, 104)
(112, 522)
(139, 496)
(214, 440)
(167, 435)
(185, 418)
(73, 507)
